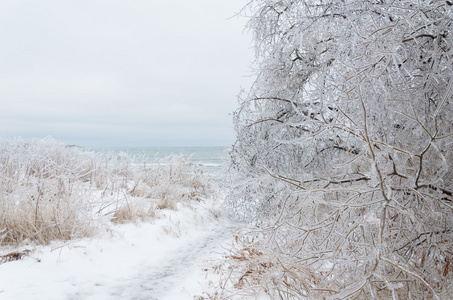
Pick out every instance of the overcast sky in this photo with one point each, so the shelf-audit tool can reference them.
(122, 72)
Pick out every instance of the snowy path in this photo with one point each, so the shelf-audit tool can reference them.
(160, 260)
(174, 277)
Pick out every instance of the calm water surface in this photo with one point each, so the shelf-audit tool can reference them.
(210, 159)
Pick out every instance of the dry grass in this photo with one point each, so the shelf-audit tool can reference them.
(13, 256)
(43, 220)
(173, 230)
(166, 203)
(139, 210)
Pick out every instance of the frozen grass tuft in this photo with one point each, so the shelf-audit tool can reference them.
(137, 210)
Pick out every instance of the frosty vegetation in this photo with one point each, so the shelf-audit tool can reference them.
(345, 152)
(50, 192)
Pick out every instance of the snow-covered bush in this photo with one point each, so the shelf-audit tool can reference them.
(52, 192)
(345, 146)
(163, 178)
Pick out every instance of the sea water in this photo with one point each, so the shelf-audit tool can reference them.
(211, 160)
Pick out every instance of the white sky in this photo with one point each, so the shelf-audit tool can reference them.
(122, 72)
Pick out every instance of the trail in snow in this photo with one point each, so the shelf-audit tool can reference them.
(166, 279)
(159, 260)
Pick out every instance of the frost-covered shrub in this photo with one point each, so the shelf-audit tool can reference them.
(170, 178)
(42, 191)
(52, 192)
(344, 145)
(157, 184)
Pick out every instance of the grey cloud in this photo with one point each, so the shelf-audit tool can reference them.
(119, 72)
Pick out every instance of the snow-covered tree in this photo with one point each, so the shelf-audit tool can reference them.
(345, 144)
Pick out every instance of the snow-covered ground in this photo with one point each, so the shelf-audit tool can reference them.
(162, 259)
